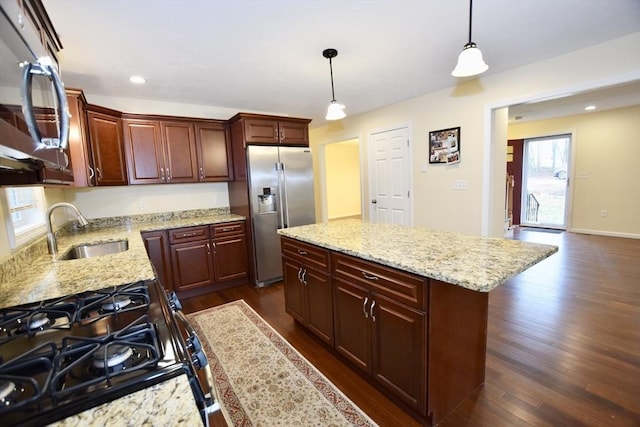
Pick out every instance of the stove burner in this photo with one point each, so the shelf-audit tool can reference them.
(113, 356)
(6, 388)
(38, 321)
(116, 303)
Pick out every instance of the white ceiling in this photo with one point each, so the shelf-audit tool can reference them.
(266, 56)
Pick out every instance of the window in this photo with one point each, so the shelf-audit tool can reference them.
(25, 214)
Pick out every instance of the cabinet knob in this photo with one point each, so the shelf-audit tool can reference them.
(201, 174)
(373, 304)
(374, 201)
(162, 173)
(301, 252)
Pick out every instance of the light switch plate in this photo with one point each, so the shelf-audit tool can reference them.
(460, 184)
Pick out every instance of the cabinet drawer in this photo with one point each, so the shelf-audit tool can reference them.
(396, 284)
(188, 234)
(227, 229)
(310, 255)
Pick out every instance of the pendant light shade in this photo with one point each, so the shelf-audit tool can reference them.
(335, 110)
(470, 62)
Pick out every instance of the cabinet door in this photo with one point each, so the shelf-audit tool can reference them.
(260, 131)
(107, 150)
(48, 125)
(83, 173)
(294, 292)
(214, 153)
(293, 133)
(230, 258)
(191, 263)
(399, 354)
(157, 245)
(352, 326)
(145, 158)
(319, 306)
(179, 152)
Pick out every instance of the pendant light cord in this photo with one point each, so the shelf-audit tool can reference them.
(470, 20)
(333, 95)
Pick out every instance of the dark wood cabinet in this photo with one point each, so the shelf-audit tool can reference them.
(307, 287)
(160, 152)
(382, 337)
(157, 245)
(107, 149)
(191, 260)
(79, 145)
(213, 152)
(276, 131)
(230, 257)
(204, 257)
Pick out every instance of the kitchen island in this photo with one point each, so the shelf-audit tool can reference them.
(406, 306)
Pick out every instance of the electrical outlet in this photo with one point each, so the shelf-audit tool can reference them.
(603, 213)
(460, 184)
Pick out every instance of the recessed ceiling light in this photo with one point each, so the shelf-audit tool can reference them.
(590, 107)
(137, 79)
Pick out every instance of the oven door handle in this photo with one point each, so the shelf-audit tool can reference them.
(215, 405)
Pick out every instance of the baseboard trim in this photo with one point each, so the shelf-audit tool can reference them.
(605, 233)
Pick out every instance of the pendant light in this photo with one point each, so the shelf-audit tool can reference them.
(335, 110)
(470, 62)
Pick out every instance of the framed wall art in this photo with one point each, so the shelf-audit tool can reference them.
(444, 146)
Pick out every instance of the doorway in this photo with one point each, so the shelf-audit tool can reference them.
(342, 180)
(545, 172)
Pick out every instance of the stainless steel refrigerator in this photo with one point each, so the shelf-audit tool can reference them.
(280, 196)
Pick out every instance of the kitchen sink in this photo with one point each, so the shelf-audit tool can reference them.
(90, 250)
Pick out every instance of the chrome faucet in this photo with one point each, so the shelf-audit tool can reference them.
(52, 244)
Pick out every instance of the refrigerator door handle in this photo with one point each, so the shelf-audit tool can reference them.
(284, 205)
(281, 195)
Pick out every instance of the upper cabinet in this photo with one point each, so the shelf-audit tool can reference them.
(214, 152)
(107, 150)
(160, 151)
(173, 150)
(273, 130)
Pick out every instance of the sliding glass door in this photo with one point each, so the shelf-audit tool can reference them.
(545, 181)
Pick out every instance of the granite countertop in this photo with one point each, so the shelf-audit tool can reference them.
(473, 262)
(44, 277)
(168, 403)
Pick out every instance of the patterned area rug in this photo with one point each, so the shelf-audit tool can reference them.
(261, 379)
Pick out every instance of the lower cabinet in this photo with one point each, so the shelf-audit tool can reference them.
(230, 256)
(157, 245)
(199, 257)
(307, 287)
(384, 338)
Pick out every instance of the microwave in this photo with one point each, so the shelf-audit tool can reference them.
(34, 114)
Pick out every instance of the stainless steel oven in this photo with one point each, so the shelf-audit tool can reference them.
(63, 356)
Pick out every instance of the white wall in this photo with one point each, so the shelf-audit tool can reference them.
(479, 210)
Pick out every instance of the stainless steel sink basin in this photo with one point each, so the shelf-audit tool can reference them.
(90, 250)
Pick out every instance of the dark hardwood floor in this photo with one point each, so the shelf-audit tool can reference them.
(563, 345)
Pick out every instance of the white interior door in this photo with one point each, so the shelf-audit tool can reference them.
(390, 176)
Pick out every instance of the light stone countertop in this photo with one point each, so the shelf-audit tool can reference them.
(473, 262)
(165, 404)
(169, 403)
(46, 277)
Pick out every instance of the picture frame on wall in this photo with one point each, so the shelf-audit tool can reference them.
(444, 146)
